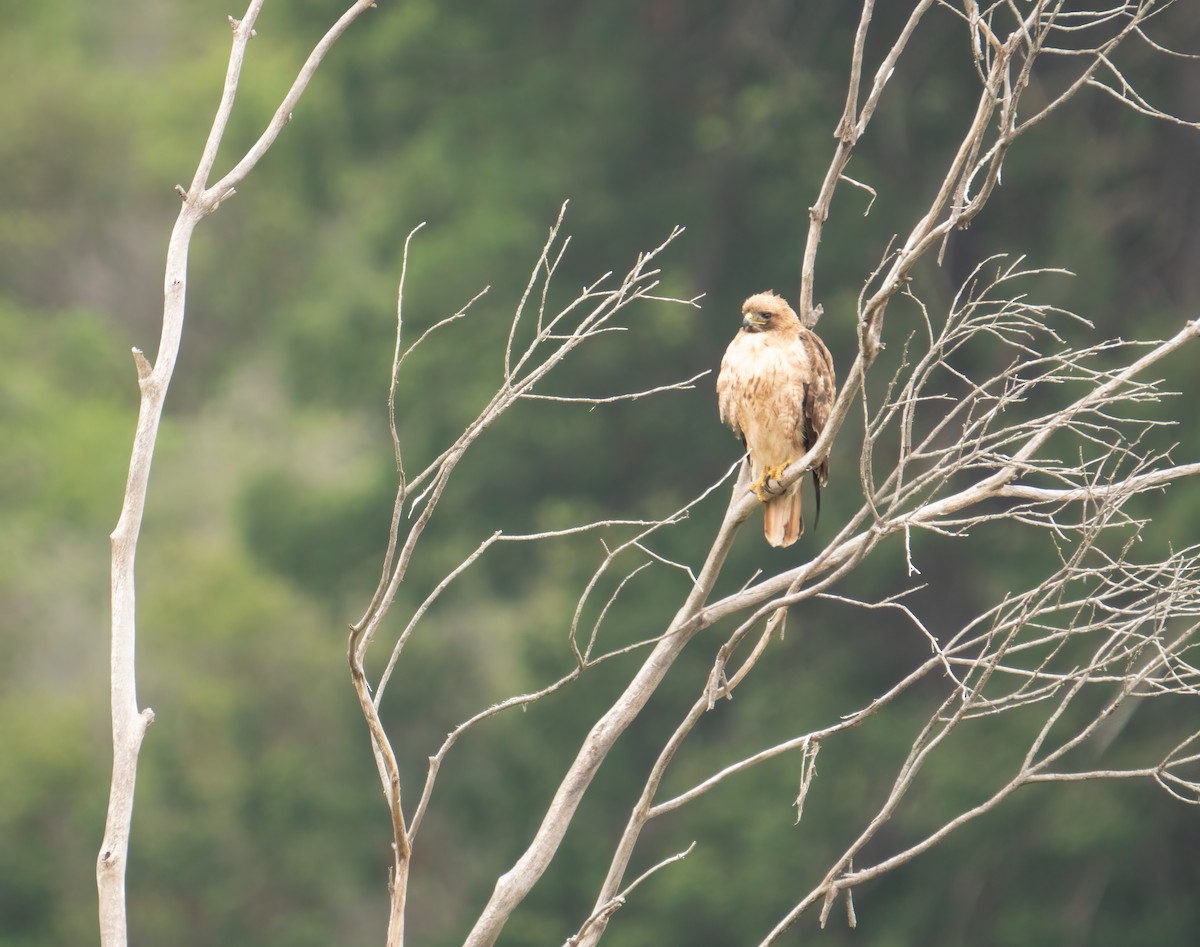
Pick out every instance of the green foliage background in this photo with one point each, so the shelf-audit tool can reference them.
(258, 819)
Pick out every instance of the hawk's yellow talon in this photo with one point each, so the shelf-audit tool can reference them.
(761, 487)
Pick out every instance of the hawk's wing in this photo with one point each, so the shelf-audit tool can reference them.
(820, 389)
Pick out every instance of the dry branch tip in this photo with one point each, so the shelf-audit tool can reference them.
(144, 368)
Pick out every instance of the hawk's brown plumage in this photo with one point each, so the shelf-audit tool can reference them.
(775, 390)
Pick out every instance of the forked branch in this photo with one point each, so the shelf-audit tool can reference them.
(128, 723)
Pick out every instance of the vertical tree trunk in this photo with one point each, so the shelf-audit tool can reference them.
(128, 723)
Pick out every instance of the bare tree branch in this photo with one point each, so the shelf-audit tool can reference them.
(555, 335)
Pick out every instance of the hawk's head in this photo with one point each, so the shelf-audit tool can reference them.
(767, 312)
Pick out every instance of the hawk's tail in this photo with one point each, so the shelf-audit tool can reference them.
(782, 524)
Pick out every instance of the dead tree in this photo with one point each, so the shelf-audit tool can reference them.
(1100, 631)
(199, 200)
(1103, 629)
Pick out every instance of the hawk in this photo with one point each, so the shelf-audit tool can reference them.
(775, 389)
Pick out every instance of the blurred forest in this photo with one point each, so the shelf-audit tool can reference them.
(258, 817)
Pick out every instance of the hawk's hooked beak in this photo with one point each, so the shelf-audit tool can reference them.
(753, 321)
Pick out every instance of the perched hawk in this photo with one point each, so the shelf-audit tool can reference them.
(775, 390)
